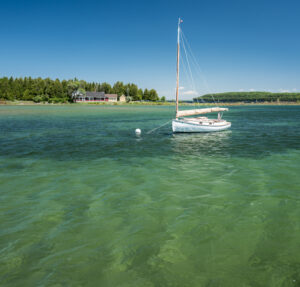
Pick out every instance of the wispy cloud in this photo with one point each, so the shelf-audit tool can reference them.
(284, 91)
(252, 90)
(190, 93)
(181, 88)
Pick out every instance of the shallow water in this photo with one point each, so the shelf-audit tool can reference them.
(85, 202)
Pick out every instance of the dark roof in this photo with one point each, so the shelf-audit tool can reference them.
(95, 94)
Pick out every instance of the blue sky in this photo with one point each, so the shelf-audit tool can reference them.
(239, 44)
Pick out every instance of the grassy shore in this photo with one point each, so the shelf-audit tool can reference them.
(27, 103)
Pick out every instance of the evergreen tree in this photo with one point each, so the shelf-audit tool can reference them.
(133, 92)
(119, 88)
(153, 95)
(146, 95)
(140, 94)
(39, 89)
(106, 88)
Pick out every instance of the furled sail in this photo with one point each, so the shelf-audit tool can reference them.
(186, 113)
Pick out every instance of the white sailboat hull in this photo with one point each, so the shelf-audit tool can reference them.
(184, 126)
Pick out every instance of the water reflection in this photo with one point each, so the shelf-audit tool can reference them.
(192, 143)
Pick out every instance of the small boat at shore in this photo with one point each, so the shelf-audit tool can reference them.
(183, 123)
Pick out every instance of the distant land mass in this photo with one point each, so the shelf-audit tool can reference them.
(249, 97)
(60, 91)
(57, 91)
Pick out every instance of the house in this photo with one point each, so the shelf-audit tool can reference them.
(122, 99)
(111, 97)
(95, 97)
(89, 97)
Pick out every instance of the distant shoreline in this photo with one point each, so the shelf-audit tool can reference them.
(31, 103)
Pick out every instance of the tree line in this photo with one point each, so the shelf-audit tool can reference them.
(249, 97)
(56, 91)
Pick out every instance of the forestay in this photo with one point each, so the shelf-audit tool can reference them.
(186, 113)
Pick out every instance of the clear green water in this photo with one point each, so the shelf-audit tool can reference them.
(84, 202)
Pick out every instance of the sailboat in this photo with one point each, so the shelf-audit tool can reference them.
(183, 123)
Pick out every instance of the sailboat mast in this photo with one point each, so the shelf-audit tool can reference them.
(177, 78)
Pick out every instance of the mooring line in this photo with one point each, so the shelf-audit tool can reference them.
(158, 127)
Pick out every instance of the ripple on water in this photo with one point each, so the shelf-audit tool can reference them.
(85, 202)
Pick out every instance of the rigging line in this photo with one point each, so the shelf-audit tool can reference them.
(201, 73)
(185, 72)
(198, 66)
(190, 70)
(202, 76)
(158, 127)
(187, 60)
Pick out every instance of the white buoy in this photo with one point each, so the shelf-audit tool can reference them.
(138, 132)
